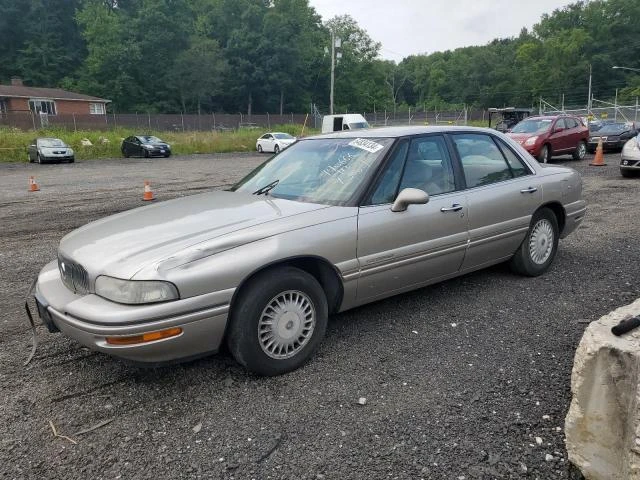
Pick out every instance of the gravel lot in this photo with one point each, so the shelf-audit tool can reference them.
(459, 378)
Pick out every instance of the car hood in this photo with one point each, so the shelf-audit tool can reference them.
(177, 231)
(520, 137)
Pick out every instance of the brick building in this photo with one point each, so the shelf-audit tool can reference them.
(18, 97)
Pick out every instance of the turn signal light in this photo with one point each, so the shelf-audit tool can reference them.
(145, 337)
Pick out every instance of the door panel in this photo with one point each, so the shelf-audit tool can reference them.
(499, 217)
(400, 249)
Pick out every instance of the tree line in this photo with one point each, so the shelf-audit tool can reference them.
(260, 56)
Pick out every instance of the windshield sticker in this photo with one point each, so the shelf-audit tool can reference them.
(367, 145)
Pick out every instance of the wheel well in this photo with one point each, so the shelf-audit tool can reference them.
(559, 212)
(319, 268)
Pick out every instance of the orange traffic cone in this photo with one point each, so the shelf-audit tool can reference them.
(33, 186)
(598, 160)
(148, 194)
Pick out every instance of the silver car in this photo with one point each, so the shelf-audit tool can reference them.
(330, 223)
(43, 150)
(630, 158)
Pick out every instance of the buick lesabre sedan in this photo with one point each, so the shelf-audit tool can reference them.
(331, 223)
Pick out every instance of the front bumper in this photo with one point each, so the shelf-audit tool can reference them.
(90, 319)
(630, 163)
(607, 145)
(57, 158)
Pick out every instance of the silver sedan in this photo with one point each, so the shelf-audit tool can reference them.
(330, 223)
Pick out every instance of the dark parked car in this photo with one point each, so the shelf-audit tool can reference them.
(43, 150)
(613, 135)
(547, 136)
(145, 146)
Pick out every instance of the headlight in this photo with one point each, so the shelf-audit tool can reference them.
(135, 291)
(530, 141)
(70, 151)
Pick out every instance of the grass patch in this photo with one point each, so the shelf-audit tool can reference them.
(14, 142)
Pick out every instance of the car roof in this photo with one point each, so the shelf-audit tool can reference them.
(395, 132)
(550, 117)
(47, 138)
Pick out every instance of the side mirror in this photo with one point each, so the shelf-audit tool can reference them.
(409, 196)
(558, 129)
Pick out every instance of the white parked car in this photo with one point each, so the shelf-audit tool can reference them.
(274, 142)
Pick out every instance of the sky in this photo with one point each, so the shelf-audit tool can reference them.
(407, 27)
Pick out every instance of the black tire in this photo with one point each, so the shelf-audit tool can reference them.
(580, 151)
(276, 149)
(522, 262)
(167, 155)
(146, 154)
(73, 160)
(30, 159)
(545, 153)
(39, 159)
(254, 298)
(627, 173)
(124, 153)
(259, 148)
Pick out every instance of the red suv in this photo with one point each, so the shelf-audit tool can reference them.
(546, 136)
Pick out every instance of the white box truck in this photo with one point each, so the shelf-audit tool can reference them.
(347, 121)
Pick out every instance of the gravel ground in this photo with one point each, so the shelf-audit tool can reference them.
(459, 378)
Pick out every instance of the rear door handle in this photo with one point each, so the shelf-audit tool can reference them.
(456, 207)
(529, 190)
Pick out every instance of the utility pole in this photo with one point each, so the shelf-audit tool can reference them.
(615, 107)
(589, 98)
(333, 70)
(335, 43)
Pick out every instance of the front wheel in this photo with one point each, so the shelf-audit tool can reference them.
(259, 148)
(538, 249)
(277, 321)
(545, 154)
(580, 151)
(627, 173)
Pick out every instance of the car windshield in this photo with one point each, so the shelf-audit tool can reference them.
(283, 136)
(327, 170)
(150, 139)
(51, 143)
(533, 126)
(613, 128)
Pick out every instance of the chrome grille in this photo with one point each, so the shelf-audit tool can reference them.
(73, 275)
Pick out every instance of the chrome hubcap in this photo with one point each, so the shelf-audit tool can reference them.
(541, 241)
(286, 324)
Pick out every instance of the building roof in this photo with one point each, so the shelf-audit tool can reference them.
(22, 91)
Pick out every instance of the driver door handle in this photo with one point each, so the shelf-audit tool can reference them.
(456, 207)
(529, 190)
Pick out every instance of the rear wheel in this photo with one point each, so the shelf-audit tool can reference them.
(580, 151)
(39, 159)
(545, 154)
(277, 321)
(539, 247)
(276, 149)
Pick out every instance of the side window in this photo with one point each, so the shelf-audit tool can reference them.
(518, 168)
(482, 161)
(385, 191)
(570, 123)
(428, 166)
(560, 124)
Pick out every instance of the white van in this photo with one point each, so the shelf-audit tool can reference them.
(347, 121)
